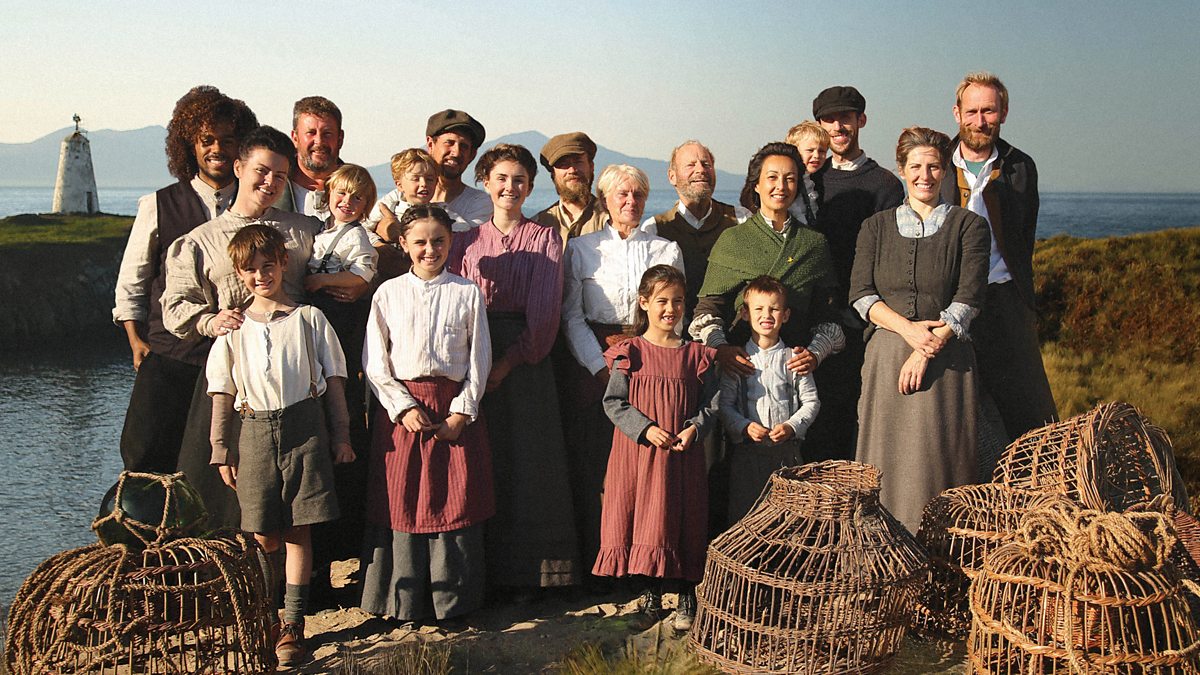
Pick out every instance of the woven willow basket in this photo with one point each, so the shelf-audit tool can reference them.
(1110, 459)
(960, 527)
(1083, 592)
(189, 606)
(817, 578)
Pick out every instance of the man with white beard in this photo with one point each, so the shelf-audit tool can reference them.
(696, 220)
(999, 182)
(570, 159)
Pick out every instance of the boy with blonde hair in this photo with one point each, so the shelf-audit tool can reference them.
(812, 142)
(415, 174)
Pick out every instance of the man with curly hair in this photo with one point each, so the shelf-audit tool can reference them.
(203, 136)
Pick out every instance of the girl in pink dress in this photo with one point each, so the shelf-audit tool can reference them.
(661, 397)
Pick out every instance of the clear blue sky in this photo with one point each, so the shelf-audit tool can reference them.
(1105, 95)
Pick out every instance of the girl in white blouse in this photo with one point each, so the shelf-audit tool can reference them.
(427, 357)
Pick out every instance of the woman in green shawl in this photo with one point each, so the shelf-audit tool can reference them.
(773, 243)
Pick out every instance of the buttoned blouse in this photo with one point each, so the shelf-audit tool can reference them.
(601, 275)
(274, 365)
(435, 328)
(517, 272)
(773, 394)
(201, 280)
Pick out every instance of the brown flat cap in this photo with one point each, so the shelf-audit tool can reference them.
(574, 143)
(457, 121)
(838, 99)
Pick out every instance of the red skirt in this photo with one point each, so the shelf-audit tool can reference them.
(418, 484)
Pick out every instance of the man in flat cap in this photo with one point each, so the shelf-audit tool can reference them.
(999, 182)
(851, 187)
(696, 220)
(318, 136)
(570, 159)
(452, 138)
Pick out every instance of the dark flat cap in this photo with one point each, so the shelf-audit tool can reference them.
(838, 99)
(574, 143)
(457, 121)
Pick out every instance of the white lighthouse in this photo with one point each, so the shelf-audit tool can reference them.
(75, 187)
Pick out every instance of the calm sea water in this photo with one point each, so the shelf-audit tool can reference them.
(1078, 214)
(62, 408)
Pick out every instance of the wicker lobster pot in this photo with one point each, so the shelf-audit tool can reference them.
(1110, 459)
(817, 578)
(958, 528)
(189, 606)
(1081, 591)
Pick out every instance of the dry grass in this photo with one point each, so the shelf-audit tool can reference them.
(589, 660)
(416, 658)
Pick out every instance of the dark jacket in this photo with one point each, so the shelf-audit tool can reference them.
(1012, 199)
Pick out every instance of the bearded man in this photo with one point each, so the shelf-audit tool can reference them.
(570, 159)
(696, 220)
(999, 182)
(318, 136)
(203, 137)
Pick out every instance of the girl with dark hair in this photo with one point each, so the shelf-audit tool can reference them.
(531, 541)
(429, 488)
(661, 397)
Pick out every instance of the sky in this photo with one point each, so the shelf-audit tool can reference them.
(1087, 80)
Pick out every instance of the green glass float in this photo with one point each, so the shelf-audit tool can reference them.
(148, 510)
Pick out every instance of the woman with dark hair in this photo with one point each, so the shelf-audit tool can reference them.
(531, 541)
(771, 242)
(919, 277)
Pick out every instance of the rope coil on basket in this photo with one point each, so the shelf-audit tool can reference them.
(1069, 560)
(193, 605)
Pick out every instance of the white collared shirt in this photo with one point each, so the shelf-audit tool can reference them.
(435, 328)
(650, 226)
(470, 209)
(275, 367)
(997, 269)
(849, 165)
(601, 274)
(354, 251)
(310, 202)
(142, 250)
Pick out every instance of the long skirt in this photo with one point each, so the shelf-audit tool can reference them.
(925, 442)
(426, 502)
(531, 541)
(195, 453)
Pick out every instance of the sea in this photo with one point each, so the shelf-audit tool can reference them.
(62, 405)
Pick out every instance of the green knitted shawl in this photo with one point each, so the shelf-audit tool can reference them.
(749, 250)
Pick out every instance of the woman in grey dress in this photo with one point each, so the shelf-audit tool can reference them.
(919, 277)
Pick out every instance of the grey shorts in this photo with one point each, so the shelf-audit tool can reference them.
(285, 470)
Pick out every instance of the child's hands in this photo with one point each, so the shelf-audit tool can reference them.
(228, 475)
(658, 437)
(685, 439)
(343, 453)
(452, 427)
(415, 421)
(782, 432)
(314, 282)
(757, 432)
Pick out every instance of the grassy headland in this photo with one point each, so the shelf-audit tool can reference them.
(1121, 322)
(29, 230)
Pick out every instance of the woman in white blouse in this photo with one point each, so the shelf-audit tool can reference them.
(601, 273)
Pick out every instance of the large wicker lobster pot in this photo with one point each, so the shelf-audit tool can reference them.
(958, 528)
(1110, 459)
(188, 606)
(817, 578)
(1082, 591)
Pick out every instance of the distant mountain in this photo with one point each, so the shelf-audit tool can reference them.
(135, 159)
(132, 158)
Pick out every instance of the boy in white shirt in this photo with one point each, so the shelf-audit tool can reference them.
(416, 177)
(273, 371)
(766, 413)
